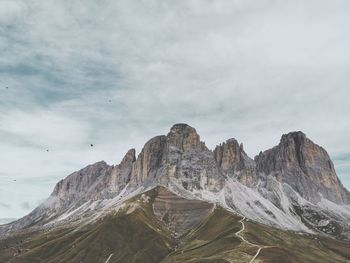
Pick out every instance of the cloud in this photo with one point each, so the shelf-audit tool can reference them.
(44, 128)
(115, 73)
(5, 205)
(25, 206)
(10, 11)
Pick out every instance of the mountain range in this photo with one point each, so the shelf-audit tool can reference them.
(178, 201)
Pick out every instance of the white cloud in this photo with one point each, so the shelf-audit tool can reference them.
(115, 73)
(10, 11)
(45, 129)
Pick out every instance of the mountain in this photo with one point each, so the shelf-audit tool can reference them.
(305, 166)
(192, 203)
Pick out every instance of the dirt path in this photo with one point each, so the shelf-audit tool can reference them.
(109, 258)
(238, 234)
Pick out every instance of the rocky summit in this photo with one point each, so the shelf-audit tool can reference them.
(291, 187)
(303, 165)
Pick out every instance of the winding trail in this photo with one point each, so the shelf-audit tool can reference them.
(257, 253)
(109, 258)
(238, 234)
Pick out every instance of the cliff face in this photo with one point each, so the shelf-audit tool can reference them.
(149, 160)
(96, 181)
(305, 166)
(76, 185)
(179, 156)
(233, 161)
(185, 138)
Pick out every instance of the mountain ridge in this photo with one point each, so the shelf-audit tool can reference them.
(181, 162)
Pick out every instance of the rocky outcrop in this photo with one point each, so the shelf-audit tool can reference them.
(80, 183)
(189, 162)
(303, 165)
(120, 175)
(185, 138)
(233, 161)
(149, 160)
(179, 156)
(128, 158)
(229, 155)
(96, 181)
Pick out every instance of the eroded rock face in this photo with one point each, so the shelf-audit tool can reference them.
(179, 155)
(96, 181)
(233, 161)
(78, 183)
(149, 160)
(184, 137)
(305, 166)
(121, 174)
(179, 214)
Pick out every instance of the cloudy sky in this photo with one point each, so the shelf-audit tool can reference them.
(115, 73)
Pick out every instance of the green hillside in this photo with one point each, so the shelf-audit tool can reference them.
(136, 234)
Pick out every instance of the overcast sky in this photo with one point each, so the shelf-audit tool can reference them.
(115, 73)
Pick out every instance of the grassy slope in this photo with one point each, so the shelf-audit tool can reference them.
(135, 235)
(213, 241)
(292, 247)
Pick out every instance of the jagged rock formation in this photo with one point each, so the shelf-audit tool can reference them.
(96, 181)
(304, 166)
(77, 184)
(121, 174)
(185, 138)
(233, 161)
(180, 156)
(149, 160)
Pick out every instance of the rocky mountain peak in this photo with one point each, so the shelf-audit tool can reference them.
(149, 160)
(295, 135)
(296, 145)
(184, 137)
(232, 159)
(129, 157)
(181, 156)
(229, 155)
(290, 151)
(78, 184)
(305, 166)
